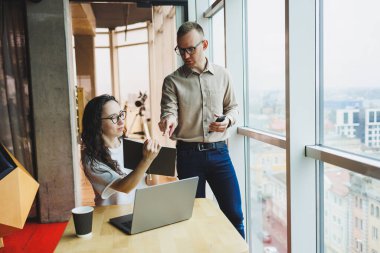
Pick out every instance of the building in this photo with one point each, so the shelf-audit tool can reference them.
(372, 128)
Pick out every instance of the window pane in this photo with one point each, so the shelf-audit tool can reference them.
(218, 39)
(268, 198)
(102, 40)
(351, 223)
(351, 76)
(134, 78)
(102, 30)
(103, 71)
(138, 25)
(266, 62)
(134, 73)
(133, 26)
(132, 37)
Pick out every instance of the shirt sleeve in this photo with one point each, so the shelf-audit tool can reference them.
(169, 103)
(102, 177)
(142, 183)
(230, 106)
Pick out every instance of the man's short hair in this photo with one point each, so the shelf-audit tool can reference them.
(189, 26)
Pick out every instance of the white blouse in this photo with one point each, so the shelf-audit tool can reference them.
(103, 177)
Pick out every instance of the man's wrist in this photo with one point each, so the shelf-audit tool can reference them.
(168, 116)
(229, 122)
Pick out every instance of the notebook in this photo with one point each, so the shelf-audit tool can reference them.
(159, 206)
(163, 164)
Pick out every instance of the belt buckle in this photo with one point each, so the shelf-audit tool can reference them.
(205, 146)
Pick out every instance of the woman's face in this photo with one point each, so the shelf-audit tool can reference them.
(111, 109)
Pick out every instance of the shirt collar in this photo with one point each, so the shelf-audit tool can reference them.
(209, 68)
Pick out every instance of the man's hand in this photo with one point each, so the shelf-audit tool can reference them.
(219, 126)
(168, 125)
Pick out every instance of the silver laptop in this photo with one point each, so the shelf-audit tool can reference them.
(159, 206)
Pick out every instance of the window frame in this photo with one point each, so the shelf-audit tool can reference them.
(306, 225)
(305, 153)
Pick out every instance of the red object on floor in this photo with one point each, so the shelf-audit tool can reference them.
(34, 237)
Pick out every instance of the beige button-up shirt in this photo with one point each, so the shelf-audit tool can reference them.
(194, 98)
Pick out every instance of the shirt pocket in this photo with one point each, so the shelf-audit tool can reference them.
(215, 99)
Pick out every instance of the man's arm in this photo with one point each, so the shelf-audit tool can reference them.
(167, 125)
(230, 106)
(169, 108)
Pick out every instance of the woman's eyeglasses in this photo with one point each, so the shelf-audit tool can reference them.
(116, 118)
(189, 50)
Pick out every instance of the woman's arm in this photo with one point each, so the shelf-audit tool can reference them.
(152, 179)
(129, 182)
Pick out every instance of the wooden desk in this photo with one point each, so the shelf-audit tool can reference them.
(207, 231)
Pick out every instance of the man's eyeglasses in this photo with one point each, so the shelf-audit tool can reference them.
(189, 50)
(116, 118)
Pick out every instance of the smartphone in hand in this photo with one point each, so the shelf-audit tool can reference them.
(219, 119)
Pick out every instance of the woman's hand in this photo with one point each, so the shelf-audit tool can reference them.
(150, 150)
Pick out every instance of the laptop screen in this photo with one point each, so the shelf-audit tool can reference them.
(161, 205)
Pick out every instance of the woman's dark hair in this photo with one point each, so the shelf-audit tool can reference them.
(93, 147)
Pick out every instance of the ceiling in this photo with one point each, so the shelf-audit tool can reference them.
(111, 15)
(90, 14)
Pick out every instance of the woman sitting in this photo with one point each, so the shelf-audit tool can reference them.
(102, 153)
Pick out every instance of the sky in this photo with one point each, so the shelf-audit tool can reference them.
(351, 43)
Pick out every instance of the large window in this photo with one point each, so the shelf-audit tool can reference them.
(351, 211)
(218, 39)
(266, 65)
(130, 49)
(122, 68)
(268, 198)
(267, 126)
(350, 59)
(351, 77)
(312, 120)
(133, 59)
(102, 62)
(134, 72)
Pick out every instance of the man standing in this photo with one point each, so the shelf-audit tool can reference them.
(192, 98)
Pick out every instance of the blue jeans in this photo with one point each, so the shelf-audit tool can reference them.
(215, 167)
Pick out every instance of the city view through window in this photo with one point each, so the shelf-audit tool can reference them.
(266, 87)
(351, 122)
(349, 80)
(268, 198)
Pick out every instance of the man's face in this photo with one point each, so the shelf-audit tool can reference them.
(190, 40)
